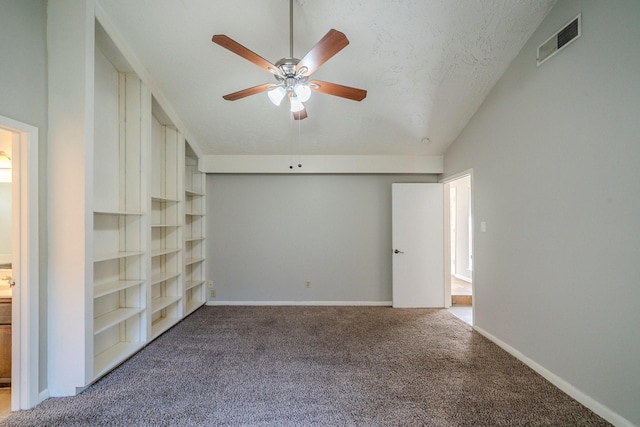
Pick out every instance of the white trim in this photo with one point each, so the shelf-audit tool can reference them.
(321, 164)
(446, 243)
(597, 407)
(25, 341)
(300, 303)
(457, 176)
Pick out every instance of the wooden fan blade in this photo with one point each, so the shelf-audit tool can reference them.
(333, 42)
(339, 90)
(247, 92)
(238, 49)
(300, 115)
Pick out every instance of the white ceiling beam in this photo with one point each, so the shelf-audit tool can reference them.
(318, 164)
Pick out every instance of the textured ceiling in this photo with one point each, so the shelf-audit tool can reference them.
(427, 66)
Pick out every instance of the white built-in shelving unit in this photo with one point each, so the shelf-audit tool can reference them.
(119, 248)
(194, 233)
(167, 204)
(127, 212)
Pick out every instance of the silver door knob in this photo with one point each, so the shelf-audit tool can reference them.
(397, 251)
(12, 283)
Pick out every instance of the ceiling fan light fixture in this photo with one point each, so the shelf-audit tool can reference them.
(276, 95)
(296, 105)
(302, 91)
(293, 74)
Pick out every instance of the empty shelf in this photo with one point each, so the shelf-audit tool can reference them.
(103, 289)
(113, 356)
(189, 284)
(115, 255)
(163, 302)
(104, 322)
(161, 277)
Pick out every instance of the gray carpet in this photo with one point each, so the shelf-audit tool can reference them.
(329, 366)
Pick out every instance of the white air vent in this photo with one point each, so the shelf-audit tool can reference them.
(560, 40)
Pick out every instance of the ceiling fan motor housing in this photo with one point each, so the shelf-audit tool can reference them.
(290, 77)
(288, 66)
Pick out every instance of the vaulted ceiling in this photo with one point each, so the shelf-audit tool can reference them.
(427, 66)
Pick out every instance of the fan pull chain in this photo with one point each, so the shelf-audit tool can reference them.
(291, 141)
(299, 143)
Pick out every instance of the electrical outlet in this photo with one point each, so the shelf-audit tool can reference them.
(213, 293)
(210, 284)
(308, 283)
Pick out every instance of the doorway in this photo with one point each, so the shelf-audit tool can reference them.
(459, 226)
(6, 280)
(19, 259)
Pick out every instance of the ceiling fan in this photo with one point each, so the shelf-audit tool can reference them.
(293, 75)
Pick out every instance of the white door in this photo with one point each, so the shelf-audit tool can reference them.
(417, 238)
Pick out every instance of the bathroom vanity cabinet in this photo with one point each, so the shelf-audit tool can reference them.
(5, 342)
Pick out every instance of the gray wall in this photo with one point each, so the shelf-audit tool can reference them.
(23, 97)
(269, 234)
(555, 152)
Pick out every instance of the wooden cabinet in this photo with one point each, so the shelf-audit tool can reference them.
(5, 342)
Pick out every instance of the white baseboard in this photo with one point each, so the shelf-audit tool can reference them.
(316, 303)
(43, 395)
(597, 407)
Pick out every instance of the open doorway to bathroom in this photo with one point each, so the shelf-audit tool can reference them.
(20, 162)
(6, 142)
(461, 246)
